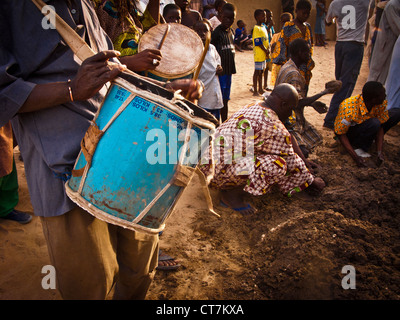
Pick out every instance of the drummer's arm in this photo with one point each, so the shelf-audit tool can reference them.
(193, 89)
(91, 77)
(154, 9)
(45, 96)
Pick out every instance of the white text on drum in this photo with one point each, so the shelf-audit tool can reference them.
(166, 145)
(194, 147)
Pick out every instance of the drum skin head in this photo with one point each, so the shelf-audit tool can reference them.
(181, 51)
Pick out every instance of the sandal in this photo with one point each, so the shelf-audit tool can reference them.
(164, 257)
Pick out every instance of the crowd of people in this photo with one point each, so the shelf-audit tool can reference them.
(45, 93)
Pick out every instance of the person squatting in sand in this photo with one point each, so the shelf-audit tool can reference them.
(306, 134)
(252, 151)
(363, 119)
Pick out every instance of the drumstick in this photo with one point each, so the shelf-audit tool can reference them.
(206, 45)
(161, 43)
(164, 36)
(78, 46)
(74, 41)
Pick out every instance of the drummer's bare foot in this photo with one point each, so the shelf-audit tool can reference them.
(234, 199)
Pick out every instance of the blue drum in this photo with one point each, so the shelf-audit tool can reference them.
(125, 171)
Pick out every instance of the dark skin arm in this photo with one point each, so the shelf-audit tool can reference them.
(306, 102)
(266, 50)
(92, 75)
(379, 145)
(349, 148)
(359, 160)
(309, 100)
(219, 70)
(154, 9)
(318, 183)
(142, 61)
(310, 164)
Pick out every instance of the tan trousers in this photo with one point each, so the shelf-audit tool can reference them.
(90, 256)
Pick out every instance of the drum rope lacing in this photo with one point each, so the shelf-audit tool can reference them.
(179, 98)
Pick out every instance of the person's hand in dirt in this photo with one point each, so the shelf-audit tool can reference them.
(312, 166)
(360, 161)
(381, 159)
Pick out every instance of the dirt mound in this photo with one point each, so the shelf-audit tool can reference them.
(304, 258)
(296, 248)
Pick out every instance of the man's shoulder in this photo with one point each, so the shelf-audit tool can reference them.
(290, 66)
(252, 110)
(353, 101)
(339, 4)
(336, 6)
(259, 30)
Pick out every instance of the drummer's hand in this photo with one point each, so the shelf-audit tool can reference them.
(94, 73)
(148, 59)
(191, 89)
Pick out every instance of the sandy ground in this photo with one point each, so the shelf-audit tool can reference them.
(289, 249)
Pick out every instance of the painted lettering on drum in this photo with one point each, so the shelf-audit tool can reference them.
(120, 182)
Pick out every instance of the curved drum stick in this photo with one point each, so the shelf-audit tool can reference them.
(164, 36)
(206, 45)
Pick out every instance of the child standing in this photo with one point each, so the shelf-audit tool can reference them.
(319, 29)
(269, 25)
(260, 49)
(223, 40)
(211, 99)
(216, 20)
(292, 30)
(285, 17)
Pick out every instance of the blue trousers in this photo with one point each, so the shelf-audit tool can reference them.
(348, 60)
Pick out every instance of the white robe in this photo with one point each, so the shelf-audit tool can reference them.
(385, 40)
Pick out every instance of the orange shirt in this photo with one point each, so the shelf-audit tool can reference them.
(353, 111)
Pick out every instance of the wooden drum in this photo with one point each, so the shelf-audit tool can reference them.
(181, 49)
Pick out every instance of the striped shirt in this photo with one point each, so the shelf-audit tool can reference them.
(223, 40)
